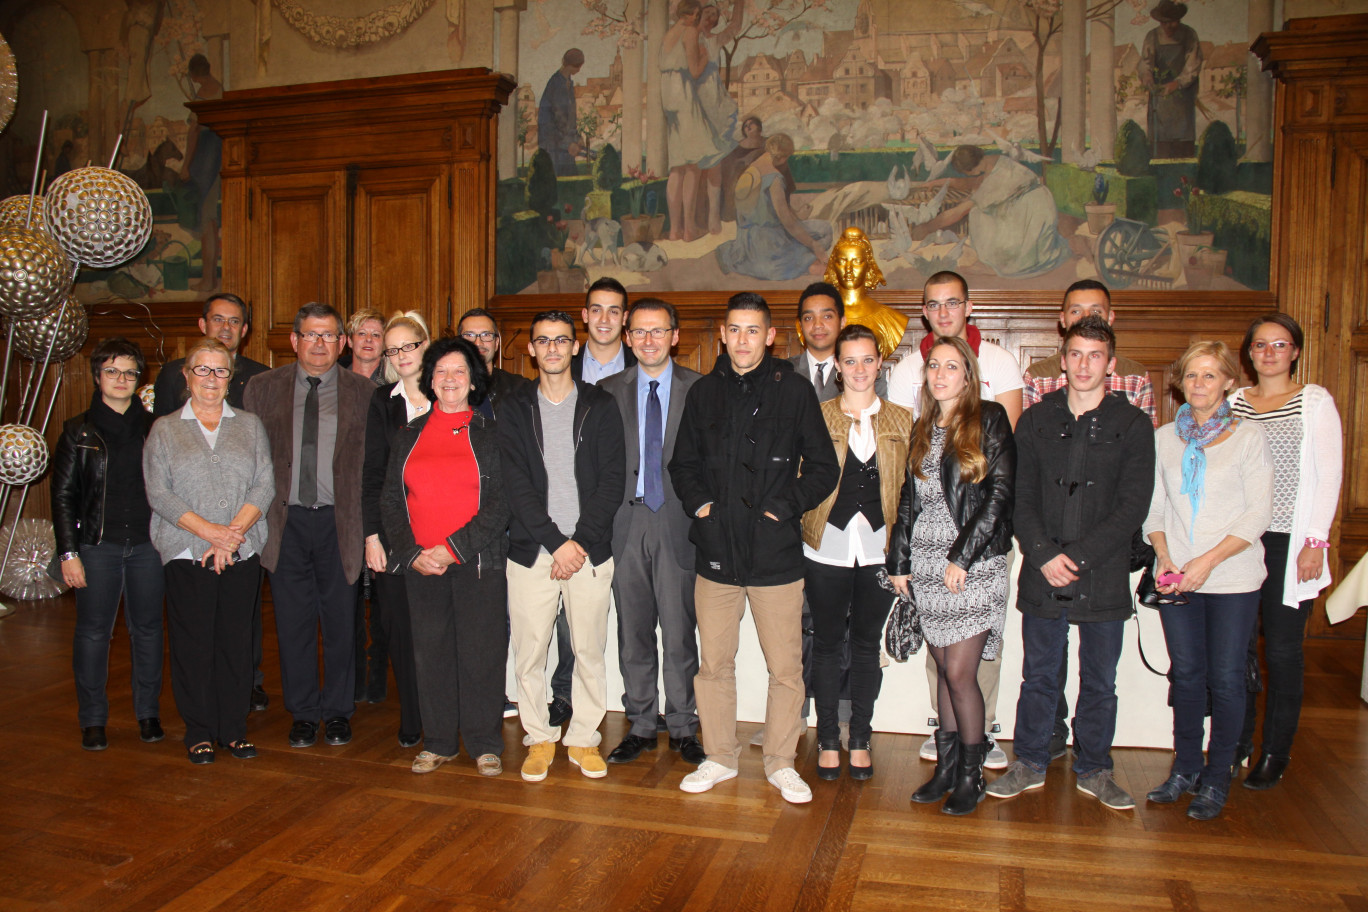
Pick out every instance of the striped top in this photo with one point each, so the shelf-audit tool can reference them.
(1283, 428)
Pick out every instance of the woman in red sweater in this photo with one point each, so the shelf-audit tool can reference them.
(445, 513)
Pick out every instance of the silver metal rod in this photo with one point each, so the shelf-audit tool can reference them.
(37, 164)
(56, 328)
(14, 527)
(4, 375)
(56, 388)
(118, 142)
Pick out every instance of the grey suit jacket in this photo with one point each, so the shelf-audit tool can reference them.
(802, 365)
(271, 397)
(183, 475)
(623, 388)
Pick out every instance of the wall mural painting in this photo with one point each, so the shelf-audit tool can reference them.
(162, 61)
(727, 152)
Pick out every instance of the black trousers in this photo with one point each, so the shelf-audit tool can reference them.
(839, 596)
(209, 618)
(389, 599)
(312, 594)
(372, 661)
(1284, 629)
(460, 650)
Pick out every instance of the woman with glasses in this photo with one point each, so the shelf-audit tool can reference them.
(392, 407)
(1303, 431)
(950, 546)
(210, 481)
(101, 517)
(1213, 490)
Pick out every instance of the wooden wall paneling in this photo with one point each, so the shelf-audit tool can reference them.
(472, 247)
(397, 218)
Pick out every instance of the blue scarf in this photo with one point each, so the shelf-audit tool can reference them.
(1194, 456)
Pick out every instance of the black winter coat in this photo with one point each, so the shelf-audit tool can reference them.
(982, 511)
(752, 444)
(1083, 489)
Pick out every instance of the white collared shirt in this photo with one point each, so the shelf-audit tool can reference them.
(858, 544)
(411, 411)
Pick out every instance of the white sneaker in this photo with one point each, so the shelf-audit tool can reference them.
(791, 786)
(708, 774)
(928, 748)
(995, 759)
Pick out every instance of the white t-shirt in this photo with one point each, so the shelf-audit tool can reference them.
(999, 371)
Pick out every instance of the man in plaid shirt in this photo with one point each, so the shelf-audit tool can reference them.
(1130, 379)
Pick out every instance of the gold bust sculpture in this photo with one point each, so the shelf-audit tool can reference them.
(852, 269)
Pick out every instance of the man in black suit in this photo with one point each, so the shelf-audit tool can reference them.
(225, 317)
(653, 578)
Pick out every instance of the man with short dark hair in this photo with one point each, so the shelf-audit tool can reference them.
(752, 455)
(821, 317)
(1085, 475)
(479, 327)
(563, 463)
(315, 413)
(557, 124)
(653, 579)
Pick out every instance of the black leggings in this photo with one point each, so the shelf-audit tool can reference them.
(958, 694)
(1284, 629)
(838, 596)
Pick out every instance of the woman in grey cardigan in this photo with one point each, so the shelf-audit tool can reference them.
(209, 480)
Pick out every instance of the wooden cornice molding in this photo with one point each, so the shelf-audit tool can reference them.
(1335, 46)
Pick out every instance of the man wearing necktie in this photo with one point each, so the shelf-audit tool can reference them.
(654, 578)
(311, 410)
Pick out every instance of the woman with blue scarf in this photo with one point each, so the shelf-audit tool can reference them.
(1213, 500)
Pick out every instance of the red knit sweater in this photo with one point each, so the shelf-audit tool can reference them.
(442, 479)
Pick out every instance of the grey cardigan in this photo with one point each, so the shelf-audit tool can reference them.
(183, 475)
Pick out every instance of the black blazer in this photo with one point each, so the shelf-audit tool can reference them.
(387, 415)
(982, 511)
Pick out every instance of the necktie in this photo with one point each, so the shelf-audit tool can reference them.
(821, 378)
(308, 447)
(654, 485)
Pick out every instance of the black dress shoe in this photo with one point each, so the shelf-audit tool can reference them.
(241, 749)
(690, 749)
(93, 738)
(407, 740)
(1266, 773)
(259, 699)
(150, 729)
(630, 747)
(861, 772)
(829, 773)
(337, 731)
(559, 711)
(303, 734)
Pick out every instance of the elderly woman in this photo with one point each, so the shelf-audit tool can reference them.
(445, 513)
(209, 481)
(1212, 502)
(1303, 431)
(101, 518)
(394, 405)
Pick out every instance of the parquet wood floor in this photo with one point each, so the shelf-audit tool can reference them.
(137, 827)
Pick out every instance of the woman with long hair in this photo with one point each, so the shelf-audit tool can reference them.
(950, 546)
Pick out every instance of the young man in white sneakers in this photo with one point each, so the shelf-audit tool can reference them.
(751, 457)
(1085, 473)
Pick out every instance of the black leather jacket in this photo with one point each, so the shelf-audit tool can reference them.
(78, 483)
(981, 511)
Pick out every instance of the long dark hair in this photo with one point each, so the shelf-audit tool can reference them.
(965, 431)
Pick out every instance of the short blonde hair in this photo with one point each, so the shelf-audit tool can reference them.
(411, 320)
(361, 317)
(207, 344)
(1205, 349)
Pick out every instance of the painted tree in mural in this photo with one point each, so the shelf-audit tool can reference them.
(766, 19)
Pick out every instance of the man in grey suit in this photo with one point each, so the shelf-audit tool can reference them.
(654, 577)
(821, 317)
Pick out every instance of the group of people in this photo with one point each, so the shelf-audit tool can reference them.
(491, 511)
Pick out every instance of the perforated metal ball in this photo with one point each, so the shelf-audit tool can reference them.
(69, 326)
(100, 217)
(35, 275)
(14, 211)
(147, 395)
(23, 454)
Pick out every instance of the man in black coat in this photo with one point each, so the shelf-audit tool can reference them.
(752, 456)
(1085, 474)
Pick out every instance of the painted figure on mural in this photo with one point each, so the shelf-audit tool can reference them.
(1170, 63)
(557, 123)
(772, 242)
(718, 105)
(853, 269)
(200, 167)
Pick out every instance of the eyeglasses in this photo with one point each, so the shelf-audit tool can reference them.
(558, 342)
(1279, 346)
(113, 373)
(217, 320)
(658, 333)
(311, 337)
(486, 336)
(950, 306)
(204, 370)
(406, 347)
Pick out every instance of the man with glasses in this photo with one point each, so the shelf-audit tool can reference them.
(314, 412)
(479, 327)
(946, 306)
(365, 353)
(225, 317)
(653, 577)
(565, 474)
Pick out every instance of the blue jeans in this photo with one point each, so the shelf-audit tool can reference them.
(1207, 639)
(1044, 647)
(113, 570)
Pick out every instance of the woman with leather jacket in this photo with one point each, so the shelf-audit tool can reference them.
(950, 547)
(101, 518)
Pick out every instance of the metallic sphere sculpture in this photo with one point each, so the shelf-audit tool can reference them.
(101, 217)
(9, 83)
(23, 454)
(25, 573)
(14, 211)
(147, 395)
(69, 326)
(35, 275)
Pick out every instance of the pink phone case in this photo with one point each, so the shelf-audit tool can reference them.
(1170, 579)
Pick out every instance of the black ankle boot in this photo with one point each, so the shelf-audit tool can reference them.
(1266, 772)
(969, 784)
(947, 760)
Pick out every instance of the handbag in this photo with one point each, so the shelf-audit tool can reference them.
(903, 633)
(1147, 592)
